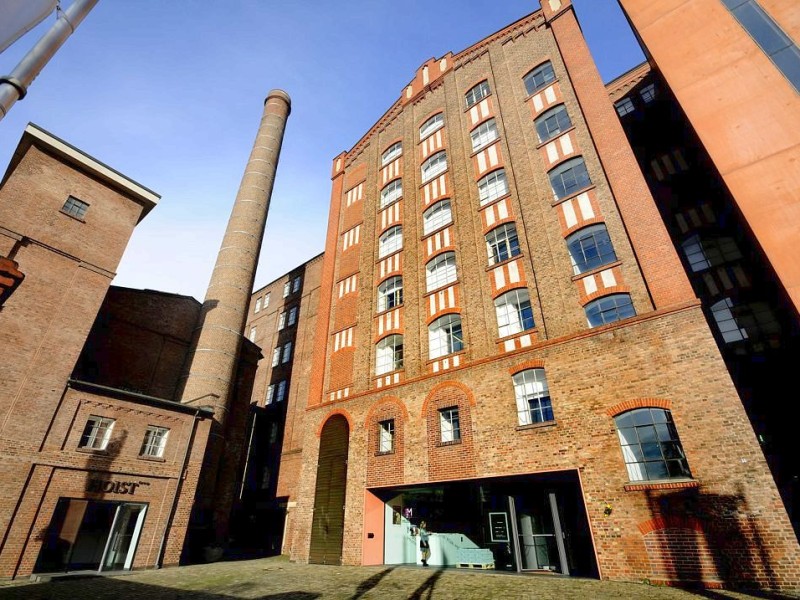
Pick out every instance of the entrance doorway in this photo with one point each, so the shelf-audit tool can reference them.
(91, 535)
(327, 527)
(532, 523)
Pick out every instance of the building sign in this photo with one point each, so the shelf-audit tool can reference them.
(105, 486)
(498, 527)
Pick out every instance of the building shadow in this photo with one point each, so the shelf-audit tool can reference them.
(370, 583)
(426, 589)
(108, 588)
(698, 539)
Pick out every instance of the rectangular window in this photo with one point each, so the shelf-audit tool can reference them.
(624, 107)
(75, 208)
(276, 356)
(493, 186)
(391, 153)
(252, 335)
(282, 320)
(449, 425)
(287, 287)
(287, 352)
(280, 392)
(484, 134)
(96, 433)
(266, 300)
(296, 284)
(270, 393)
(292, 316)
(155, 440)
(478, 93)
(273, 432)
(258, 305)
(648, 93)
(386, 436)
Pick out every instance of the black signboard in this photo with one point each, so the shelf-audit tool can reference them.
(498, 527)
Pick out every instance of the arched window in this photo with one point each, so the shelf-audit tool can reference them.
(389, 354)
(390, 241)
(549, 124)
(391, 153)
(477, 93)
(493, 186)
(484, 134)
(569, 177)
(431, 125)
(709, 252)
(390, 293)
(391, 192)
(650, 445)
(539, 78)
(590, 248)
(502, 243)
(609, 309)
(514, 312)
(438, 215)
(434, 165)
(533, 397)
(440, 271)
(444, 336)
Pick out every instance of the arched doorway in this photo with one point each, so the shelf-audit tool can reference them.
(327, 529)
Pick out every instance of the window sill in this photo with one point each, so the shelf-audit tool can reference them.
(432, 178)
(555, 137)
(94, 451)
(514, 336)
(461, 352)
(573, 195)
(493, 266)
(483, 147)
(80, 220)
(390, 254)
(662, 484)
(453, 443)
(477, 102)
(493, 201)
(540, 90)
(152, 458)
(435, 231)
(388, 204)
(386, 453)
(596, 270)
(534, 426)
(387, 310)
(430, 133)
(388, 373)
(442, 287)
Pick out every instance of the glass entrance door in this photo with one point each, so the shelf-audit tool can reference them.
(538, 538)
(125, 531)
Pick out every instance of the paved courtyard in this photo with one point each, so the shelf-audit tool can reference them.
(279, 579)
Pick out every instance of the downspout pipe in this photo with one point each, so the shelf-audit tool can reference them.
(13, 87)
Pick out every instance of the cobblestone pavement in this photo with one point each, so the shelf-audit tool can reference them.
(279, 579)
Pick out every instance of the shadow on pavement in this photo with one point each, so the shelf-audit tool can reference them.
(370, 583)
(722, 595)
(105, 588)
(427, 586)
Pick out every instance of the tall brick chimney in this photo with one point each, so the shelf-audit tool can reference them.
(210, 373)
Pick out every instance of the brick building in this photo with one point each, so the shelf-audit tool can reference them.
(508, 348)
(746, 304)
(282, 322)
(93, 460)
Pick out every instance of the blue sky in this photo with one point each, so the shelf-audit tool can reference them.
(171, 92)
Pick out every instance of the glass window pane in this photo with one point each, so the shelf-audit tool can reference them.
(657, 470)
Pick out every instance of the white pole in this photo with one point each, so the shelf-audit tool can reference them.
(13, 87)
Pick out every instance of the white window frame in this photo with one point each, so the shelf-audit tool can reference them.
(390, 293)
(276, 356)
(386, 436)
(477, 93)
(287, 287)
(441, 270)
(270, 393)
(492, 186)
(546, 80)
(498, 238)
(391, 192)
(155, 442)
(252, 336)
(428, 127)
(449, 425)
(266, 300)
(532, 395)
(96, 433)
(282, 320)
(484, 134)
(389, 354)
(434, 165)
(258, 305)
(391, 153)
(437, 216)
(442, 337)
(390, 241)
(510, 309)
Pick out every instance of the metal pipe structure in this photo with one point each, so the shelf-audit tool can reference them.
(13, 87)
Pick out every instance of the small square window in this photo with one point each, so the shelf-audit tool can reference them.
(96, 433)
(155, 440)
(648, 93)
(449, 425)
(624, 107)
(75, 208)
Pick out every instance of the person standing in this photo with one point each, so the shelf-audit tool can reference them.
(424, 543)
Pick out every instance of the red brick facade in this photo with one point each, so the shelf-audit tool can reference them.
(664, 357)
